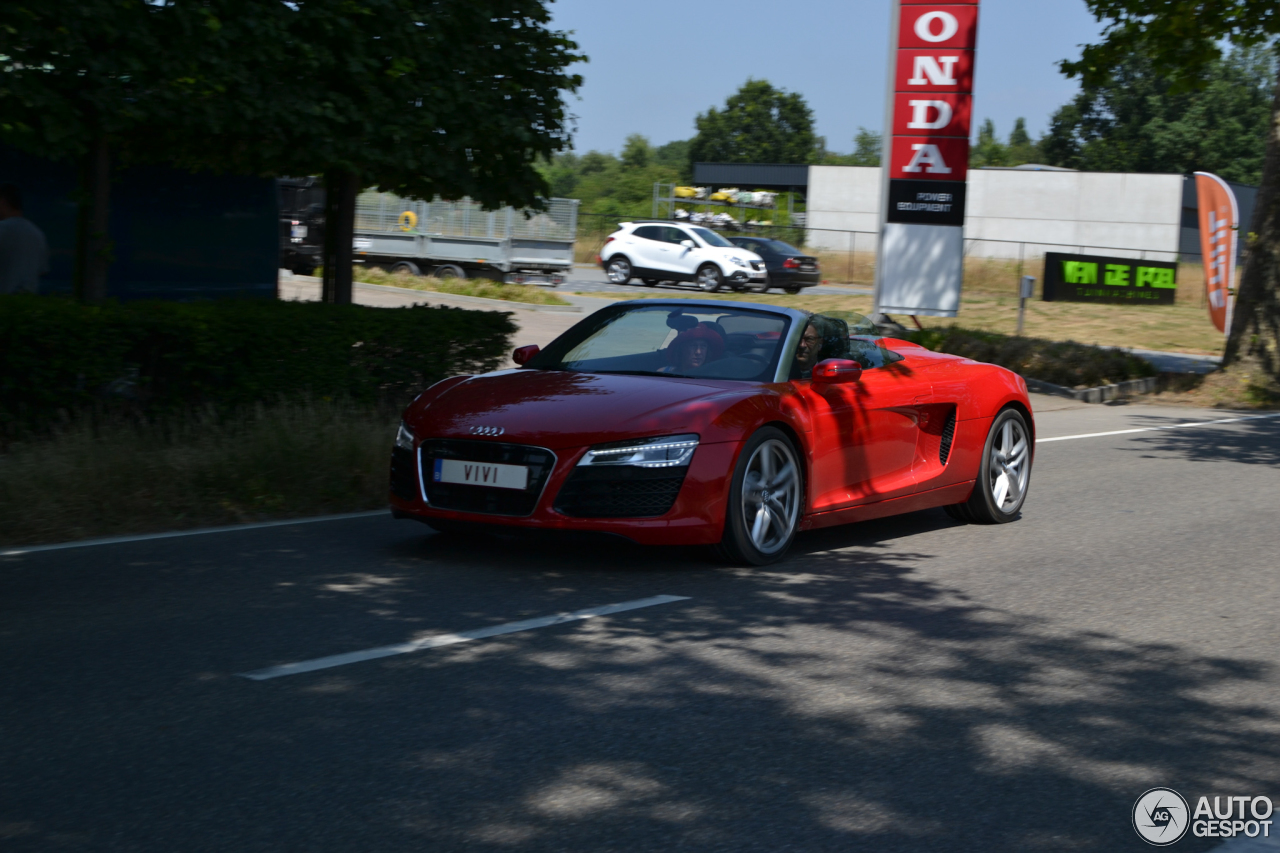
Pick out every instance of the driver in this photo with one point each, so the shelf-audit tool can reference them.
(808, 348)
(824, 337)
(693, 348)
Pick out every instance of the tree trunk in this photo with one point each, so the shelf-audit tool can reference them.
(341, 188)
(93, 239)
(1255, 319)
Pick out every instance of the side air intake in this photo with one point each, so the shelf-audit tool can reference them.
(948, 433)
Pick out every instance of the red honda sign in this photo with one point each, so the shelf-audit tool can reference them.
(929, 114)
(933, 86)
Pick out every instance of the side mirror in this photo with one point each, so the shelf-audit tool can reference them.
(523, 354)
(688, 244)
(837, 370)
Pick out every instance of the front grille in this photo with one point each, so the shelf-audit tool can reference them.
(948, 433)
(486, 499)
(620, 492)
(404, 476)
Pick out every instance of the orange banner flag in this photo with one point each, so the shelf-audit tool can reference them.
(1218, 222)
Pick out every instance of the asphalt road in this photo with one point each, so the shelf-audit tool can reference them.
(593, 280)
(903, 685)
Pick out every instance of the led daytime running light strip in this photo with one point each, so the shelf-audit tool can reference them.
(616, 450)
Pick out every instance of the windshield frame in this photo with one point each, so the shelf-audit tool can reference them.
(551, 358)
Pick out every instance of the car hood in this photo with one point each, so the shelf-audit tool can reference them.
(558, 409)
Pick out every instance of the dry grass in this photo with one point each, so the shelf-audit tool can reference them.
(485, 288)
(284, 461)
(989, 303)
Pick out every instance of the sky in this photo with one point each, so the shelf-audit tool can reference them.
(655, 64)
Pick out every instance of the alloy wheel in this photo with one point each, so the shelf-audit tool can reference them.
(709, 279)
(771, 496)
(1009, 468)
(619, 271)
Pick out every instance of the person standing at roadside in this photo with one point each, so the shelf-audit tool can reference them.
(24, 254)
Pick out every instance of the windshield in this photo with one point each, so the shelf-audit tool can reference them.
(667, 340)
(785, 248)
(711, 238)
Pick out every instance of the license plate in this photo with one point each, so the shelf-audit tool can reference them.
(298, 232)
(807, 267)
(481, 474)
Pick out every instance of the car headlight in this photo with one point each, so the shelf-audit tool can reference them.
(668, 451)
(738, 261)
(404, 438)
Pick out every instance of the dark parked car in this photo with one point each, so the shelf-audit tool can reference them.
(789, 268)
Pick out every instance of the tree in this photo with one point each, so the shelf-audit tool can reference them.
(1133, 121)
(759, 124)
(637, 152)
(1182, 39)
(1021, 148)
(866, 151)
(989, 150)
(361, 91)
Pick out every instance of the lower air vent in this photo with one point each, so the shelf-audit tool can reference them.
(620, 492)
(404, 474)
(948, 433)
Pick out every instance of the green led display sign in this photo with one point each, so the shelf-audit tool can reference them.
(1120, 281)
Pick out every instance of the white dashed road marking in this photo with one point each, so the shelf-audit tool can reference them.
(1156, 428)
(450, 639)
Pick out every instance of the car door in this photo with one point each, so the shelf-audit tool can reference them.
(865, 432)
(651, 250)
(684, 261)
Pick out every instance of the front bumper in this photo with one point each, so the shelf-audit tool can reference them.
(696, 517)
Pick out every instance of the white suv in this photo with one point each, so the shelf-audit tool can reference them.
(654, 252)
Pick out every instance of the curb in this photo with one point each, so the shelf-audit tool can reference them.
(1099, 394)
(472, 300)
(466, 300)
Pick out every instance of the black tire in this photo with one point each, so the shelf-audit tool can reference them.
(739, 545)
(618, 269)
(990, 503)
(709, 278)
(450, 271)
(650, 282)
(792, 289)
(406, 266)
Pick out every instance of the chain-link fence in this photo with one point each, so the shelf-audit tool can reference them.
(849, 257)
(385, 212)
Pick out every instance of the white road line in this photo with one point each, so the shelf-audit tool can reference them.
(450, 639)
(117, 540)
(1155, 428)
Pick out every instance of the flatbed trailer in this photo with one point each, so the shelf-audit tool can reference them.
(462, 239)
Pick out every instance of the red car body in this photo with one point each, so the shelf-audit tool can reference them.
(872, 447)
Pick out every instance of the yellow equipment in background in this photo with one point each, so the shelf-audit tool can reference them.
(408, 220)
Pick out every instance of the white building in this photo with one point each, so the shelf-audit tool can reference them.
(1012, 213)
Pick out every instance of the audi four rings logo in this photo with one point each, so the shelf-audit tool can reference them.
(487, 430)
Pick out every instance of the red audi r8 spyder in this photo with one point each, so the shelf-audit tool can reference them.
(685, 422)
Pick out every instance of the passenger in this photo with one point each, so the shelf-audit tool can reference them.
(692, 349)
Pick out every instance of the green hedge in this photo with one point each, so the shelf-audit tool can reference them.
(1060, 362)
(61, 356)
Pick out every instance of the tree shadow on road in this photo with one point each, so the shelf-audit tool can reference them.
(1254, 442)
(834, 702)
